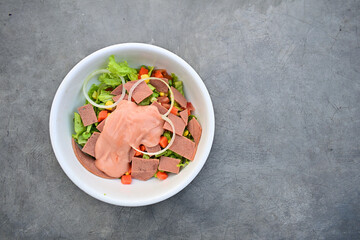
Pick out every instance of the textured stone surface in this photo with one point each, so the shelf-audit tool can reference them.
(284, 77)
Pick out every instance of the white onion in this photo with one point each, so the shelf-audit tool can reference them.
(101, 71)
(164, 117)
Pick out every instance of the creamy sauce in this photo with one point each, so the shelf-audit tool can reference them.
(129, 125)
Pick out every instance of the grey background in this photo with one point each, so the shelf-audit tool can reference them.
(284, 77)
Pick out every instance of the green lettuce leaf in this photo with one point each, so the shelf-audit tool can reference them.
(105, 96)
(78, 126)
(179, 86)
(93, 89)
(110, 79)
(122, 69)
(167, 134)
(81, 140)
(86, 135)
(177, 83)
(183, 164)
(150, 70)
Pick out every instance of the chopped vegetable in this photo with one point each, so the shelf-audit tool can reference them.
(78, 126)
(150, 70)
(108, 103)
(93, 91)
(167, 135)
(161, 175)
(105, 96)
(122, 69)
(143, 70)
(183, 164)
(144, 76)
(158, 74)
(102, 115)
(126, 179)
(174, 110)
(163, 142)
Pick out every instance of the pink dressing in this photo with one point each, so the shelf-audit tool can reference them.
(129, 125)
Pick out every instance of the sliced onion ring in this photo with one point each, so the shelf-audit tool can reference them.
(164, 117)
(170, 143)
(154, 78)
(100, 71)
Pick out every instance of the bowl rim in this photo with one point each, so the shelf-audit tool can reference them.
(89, 190)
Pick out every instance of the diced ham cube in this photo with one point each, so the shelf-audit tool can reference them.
(179, 98)
(184, 147)
(184, 116)
(117, 90)
(101, 125)
(161, 109)
(195, 130)
(169, 164)
(141, 92)
(116, 98)
(178, 124)
(160, 86)
(89, 147)
(144, 169)
(87, 114)
(153, 149)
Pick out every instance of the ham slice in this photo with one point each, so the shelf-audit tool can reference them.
(169, 164)
(144, 169)
(195, 129)
(178, 124)
(87, 162)
(116, 98)
(141, 92)
(163, 99)
(100, 127)
(184, 116)
(179, 98)
(117, 90)
(153, 149)
(184, 147)
(160, 86)
(87, 114)
(89, 147)
(161, 109)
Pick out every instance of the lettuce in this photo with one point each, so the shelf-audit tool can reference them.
(179, 86)
(150, 70)
(93, 89)
(78, 126)
(167, 134)
(122, 69)
(110, 79)
(183, 164)
(105, 96)
(177, 83)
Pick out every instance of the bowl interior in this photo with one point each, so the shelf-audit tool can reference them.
(69, 97)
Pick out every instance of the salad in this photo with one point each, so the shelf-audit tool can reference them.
(135, 123)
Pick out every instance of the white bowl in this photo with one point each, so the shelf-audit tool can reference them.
(69, 97)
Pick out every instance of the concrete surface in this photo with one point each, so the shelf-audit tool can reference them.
(284, 77)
